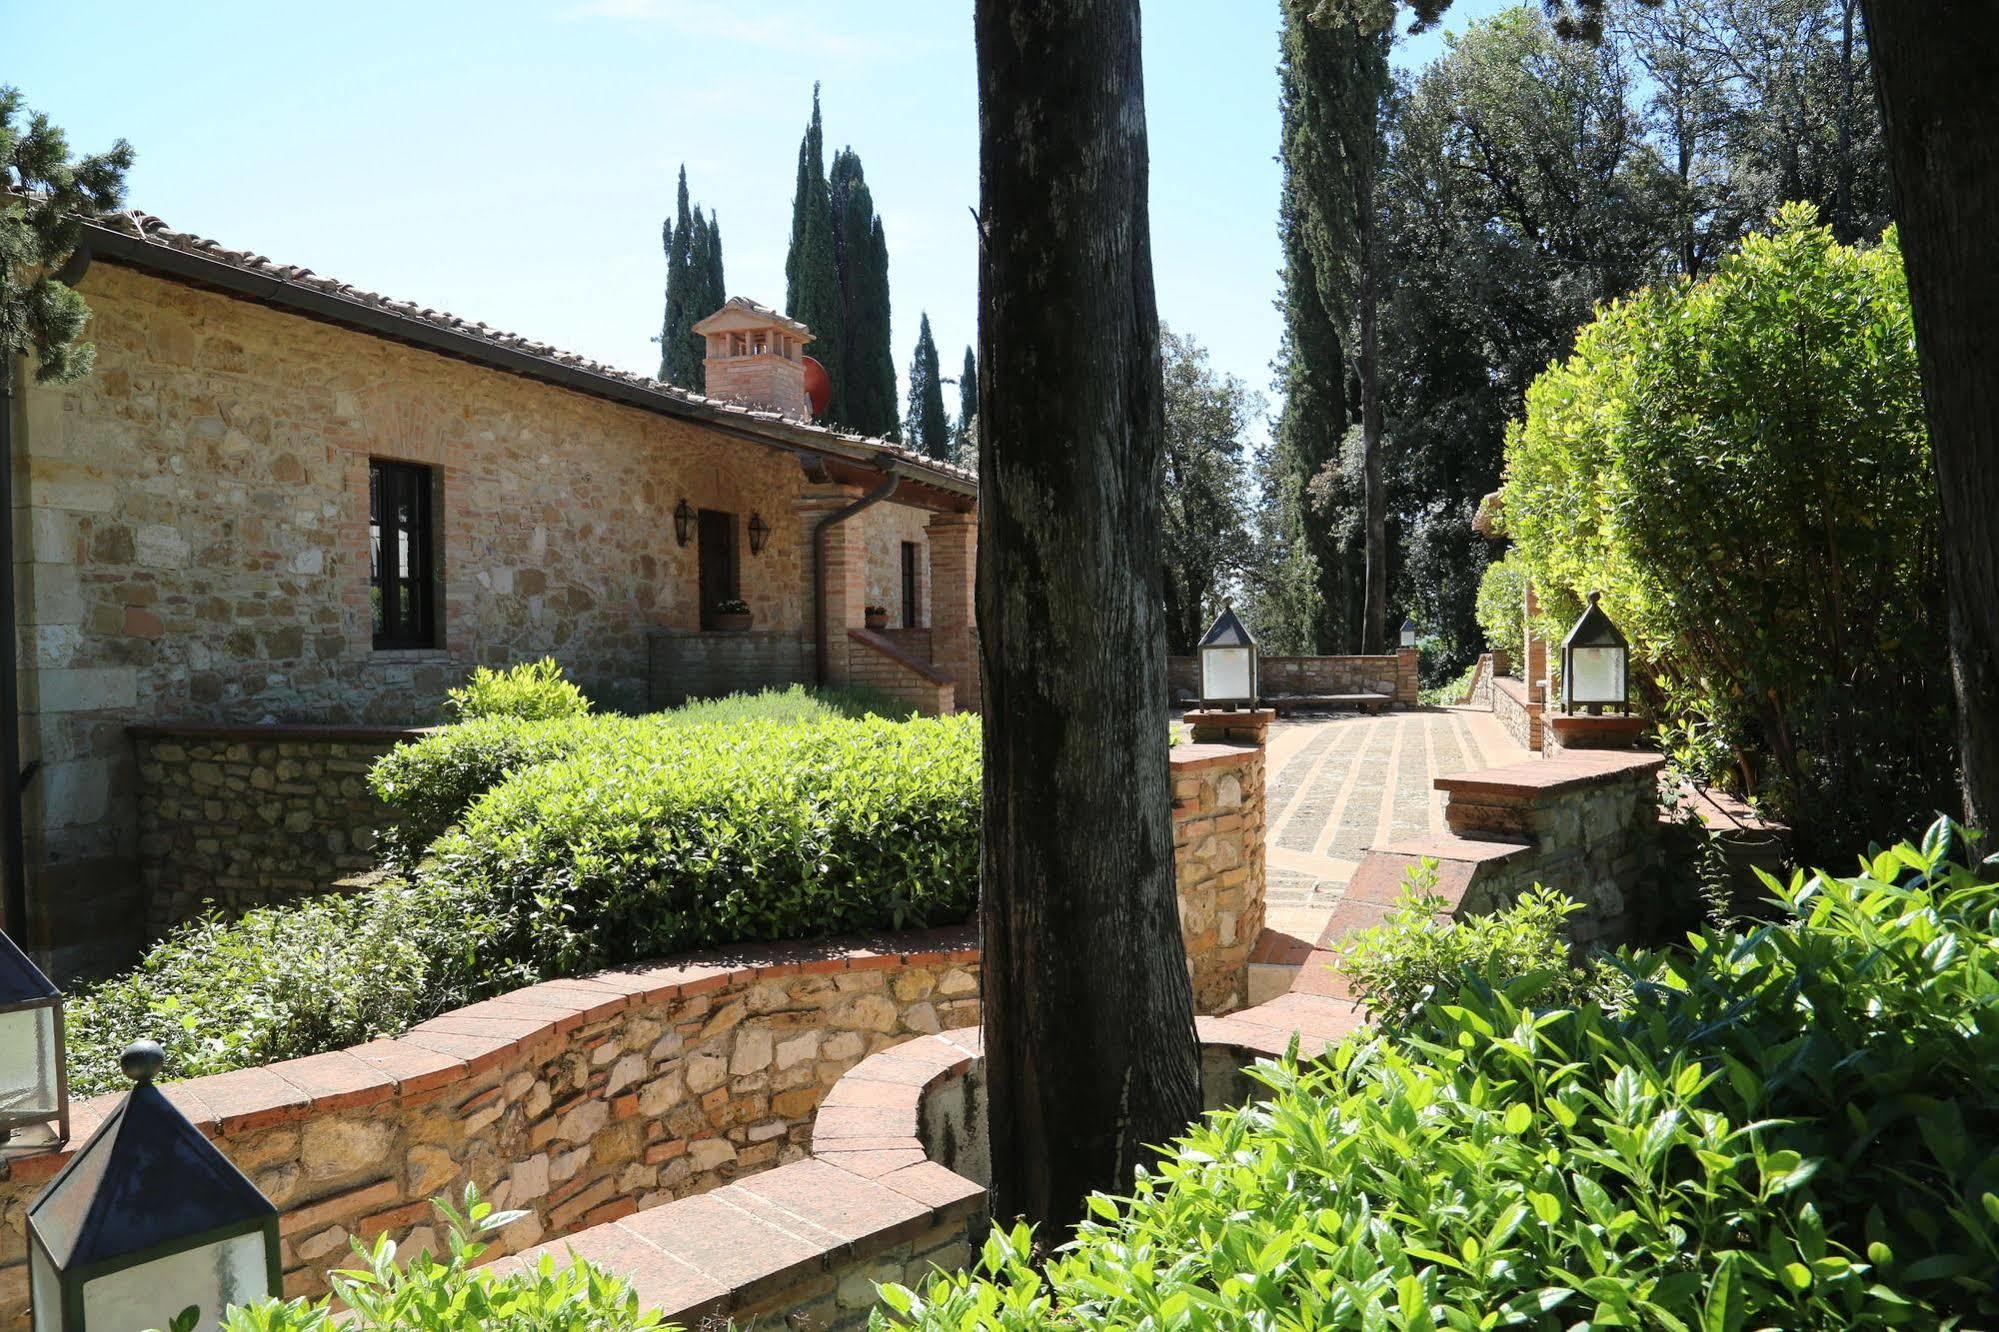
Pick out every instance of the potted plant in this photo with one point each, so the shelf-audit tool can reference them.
(877, 617)
(732, 613)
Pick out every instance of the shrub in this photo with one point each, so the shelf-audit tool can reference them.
(1502, 605)
(282, 982)
(1450, 691)
(532, 691)
(796, 703)
(1795, 1127)
(1397, 967)
(686, 836)
(429, 783)
(451, 1294)
(1741, 464)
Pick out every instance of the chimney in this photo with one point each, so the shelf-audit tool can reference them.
(756, 356)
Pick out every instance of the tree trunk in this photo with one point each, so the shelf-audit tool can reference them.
(1936, 68)
(1374, 614)
(1088, 1014)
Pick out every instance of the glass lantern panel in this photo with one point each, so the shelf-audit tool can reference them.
(1596, 675)
(44, 1290)
(1225, 672)
(28, 1057)
(211, 1277)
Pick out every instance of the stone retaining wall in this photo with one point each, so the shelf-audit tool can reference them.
(1218, 855)
(1390, 673)
(244, 817)
(1520, 715)
(685, 663)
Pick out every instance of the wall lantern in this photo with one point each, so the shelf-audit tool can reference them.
(1594, 659)
(1228, 664)
(34, 1082)
(1408, 633)
(683, 522)
(759, 533)
(147, 1221)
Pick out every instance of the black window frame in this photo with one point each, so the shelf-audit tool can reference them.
(392, 483)
(912, 586)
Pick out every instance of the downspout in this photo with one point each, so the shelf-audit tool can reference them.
(819, 530)
(13, 853)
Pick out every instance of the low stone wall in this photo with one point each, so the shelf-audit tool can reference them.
(1392, 674)
(1478, 693)
(248, 816)
(1516, 712)
(1218, 856)
(683, 664)
(876, 661)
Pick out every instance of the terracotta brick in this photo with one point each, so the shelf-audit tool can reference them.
(338, 1207)
(415, 1068)
(337, 1080)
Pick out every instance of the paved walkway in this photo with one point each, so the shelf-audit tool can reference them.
(1340, 784)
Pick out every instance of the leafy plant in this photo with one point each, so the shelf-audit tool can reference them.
(452, 1294)
(876, 612)
(1502, 607)
(796, 704)
(731, 606)
(1399, 966)
(532, 691)
(1795, 1127)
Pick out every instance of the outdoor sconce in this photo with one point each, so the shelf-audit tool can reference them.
(1594, 660)
(34, 1082)
(147, 1221)
(759, 533)
(1228, 664)
(683, 522)
(1408, 632)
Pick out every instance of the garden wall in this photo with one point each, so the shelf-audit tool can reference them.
(877, 662)
(1218, 856)
(1516, 712)
(1392, 674)
(688, 663)
(245, 816)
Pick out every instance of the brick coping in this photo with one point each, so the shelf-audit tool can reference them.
(466, 1042)
(870, 1182)
(278, 731)
(897, 653)
(1196, 755)
(1570, 771)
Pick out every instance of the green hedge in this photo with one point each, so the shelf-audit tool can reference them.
(1796, 1127)
(679, 837)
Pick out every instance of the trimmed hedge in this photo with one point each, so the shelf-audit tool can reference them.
(681, 837)
(1795, 1127)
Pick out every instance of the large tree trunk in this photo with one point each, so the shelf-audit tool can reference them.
(1088, 1014)
(1936, 67)
(1374, 615)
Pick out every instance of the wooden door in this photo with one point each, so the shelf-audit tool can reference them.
(715, 543)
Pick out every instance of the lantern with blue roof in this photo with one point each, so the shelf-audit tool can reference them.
(34, 1087)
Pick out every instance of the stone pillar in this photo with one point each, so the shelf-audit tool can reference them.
(1408, 676)
(1218, 861)
(844, 578)
(954, 540)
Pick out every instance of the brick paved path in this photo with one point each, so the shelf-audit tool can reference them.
(1343, 783)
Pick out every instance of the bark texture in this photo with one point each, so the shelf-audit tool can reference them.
(1088, 1013)
(1936, 67)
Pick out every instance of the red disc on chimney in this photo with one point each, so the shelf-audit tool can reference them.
(818, 387)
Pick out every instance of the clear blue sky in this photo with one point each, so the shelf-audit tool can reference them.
(512, 162)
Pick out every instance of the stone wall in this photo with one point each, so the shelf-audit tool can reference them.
(241, 817)
(887, 526)
(1218, 850)
(688, 663)
(1517, 711)
(579, 1101)
(1283, 677)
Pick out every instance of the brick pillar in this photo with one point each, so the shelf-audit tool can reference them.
(1535, 669)
(954, 541)
(1408, 676)
(845, 577)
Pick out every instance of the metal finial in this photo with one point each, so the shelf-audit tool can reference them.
(142, 1060)
(1595, 596)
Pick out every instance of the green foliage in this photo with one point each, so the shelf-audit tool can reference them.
(680, 837)
(452, 1294)
(694, 290)
(1204, 507)
(968, 407)
(282, 982)
(1741, 465)
(1502, 609)
(811, 265)
(929, 427)
(1449, 692)
(39, 230)
(794, 704)
(1401, 965)
(861, 259)
(1796, 1127)
(532, 691)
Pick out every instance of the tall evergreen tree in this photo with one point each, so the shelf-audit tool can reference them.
(861, 259)
(929, 427)
(968, 400)
(811, 272)
(694, 290)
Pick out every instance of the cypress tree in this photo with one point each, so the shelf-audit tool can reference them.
(694, 290)
(861, 259)
(716, 289)
(700, 301)
(929, 427)
(968, 401)
(811, 275)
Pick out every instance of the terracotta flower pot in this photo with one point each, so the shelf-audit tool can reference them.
(877, 622)
(732, 621)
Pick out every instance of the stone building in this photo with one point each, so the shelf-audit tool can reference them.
(279, 500)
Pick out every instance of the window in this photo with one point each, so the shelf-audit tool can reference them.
(401, 546)
(715, 545)
(909, 589)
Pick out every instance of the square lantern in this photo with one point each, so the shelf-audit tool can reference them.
(148, 1219)
(1408, 633)
(34, 1081)
(1228, 664)
(1595, 659)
